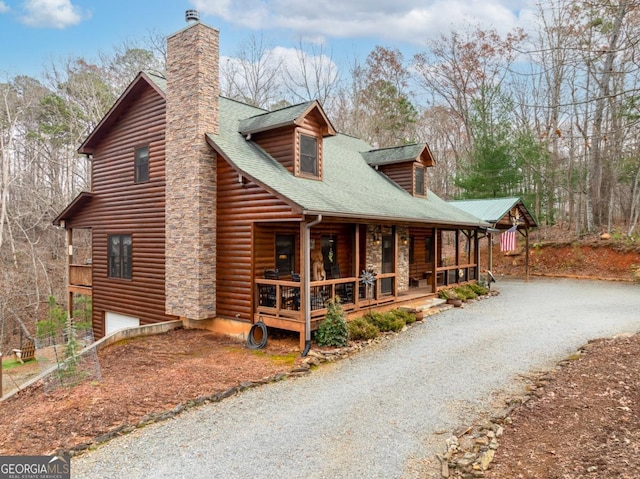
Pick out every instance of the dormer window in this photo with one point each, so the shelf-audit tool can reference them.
(419, 183)
(309, 158)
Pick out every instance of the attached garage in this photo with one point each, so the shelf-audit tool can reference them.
(115, 321)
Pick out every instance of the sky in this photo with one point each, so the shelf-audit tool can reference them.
(35, 33)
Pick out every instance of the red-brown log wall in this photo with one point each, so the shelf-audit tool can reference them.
(122, 207)
(239, 206)
(420, 264)
(401, 173)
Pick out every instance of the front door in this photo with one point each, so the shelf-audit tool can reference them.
(388, 260)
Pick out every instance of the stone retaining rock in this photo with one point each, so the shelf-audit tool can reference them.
(469, 451)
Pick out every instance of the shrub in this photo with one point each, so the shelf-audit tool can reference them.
(447, 294)
(54, 324)
(333, 331)
(406, 316)
(361, 329)
(465, 292)
(478, 289)
(386, 321)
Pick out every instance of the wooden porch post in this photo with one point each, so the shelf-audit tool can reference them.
(434, 263)
(476, 242)
(304, 281)
(356, 260)
(394, 230)
(526, 266)
(490, 255)
(68, 278)
(305, 229)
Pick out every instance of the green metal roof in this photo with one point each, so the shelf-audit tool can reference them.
(494, 209)
(398, 154)
(350, 187)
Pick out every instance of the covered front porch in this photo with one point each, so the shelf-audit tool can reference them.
(410, 263)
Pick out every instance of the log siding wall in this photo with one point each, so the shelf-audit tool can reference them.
(404, 175)
(239, 206)
(279, 143)
(420, 264)
(121, 206)
(283, 144)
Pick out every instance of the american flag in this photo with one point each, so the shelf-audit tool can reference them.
(508, 239)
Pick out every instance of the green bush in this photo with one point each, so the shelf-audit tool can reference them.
(406, 316)
(447, 294)
(333, 331)
(465, 292)
(54, 324)
(82, 311)
(360, 329)
(386, 321)
(478, 289)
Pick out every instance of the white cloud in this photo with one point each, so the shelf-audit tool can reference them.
(51, 13)
(393, 20)
(4, 8)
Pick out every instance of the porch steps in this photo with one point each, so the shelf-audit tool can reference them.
(431, 303)
(425, 306)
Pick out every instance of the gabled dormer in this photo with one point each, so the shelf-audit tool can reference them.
(406, 165)
(293, 136)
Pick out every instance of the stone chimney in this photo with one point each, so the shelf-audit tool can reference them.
(192, 111)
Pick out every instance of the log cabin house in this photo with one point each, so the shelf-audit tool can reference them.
(209, 210)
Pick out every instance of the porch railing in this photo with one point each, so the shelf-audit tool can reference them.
(282, 299)
(80, 275)
(450, 275)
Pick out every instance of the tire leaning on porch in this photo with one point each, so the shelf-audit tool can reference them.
(257, 338)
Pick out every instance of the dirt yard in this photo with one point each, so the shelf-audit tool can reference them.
(581, 423)
(139, 377)
(555, 255)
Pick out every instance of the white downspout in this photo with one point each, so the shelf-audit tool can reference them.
(306, 283)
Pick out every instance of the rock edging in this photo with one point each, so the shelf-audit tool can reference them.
(470, 451)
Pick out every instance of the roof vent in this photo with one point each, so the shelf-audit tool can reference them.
(192, 16)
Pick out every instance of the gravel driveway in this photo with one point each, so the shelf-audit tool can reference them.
(378, 414)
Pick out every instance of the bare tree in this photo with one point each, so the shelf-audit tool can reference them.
(463, 67)
(254, 75)
(314, 75)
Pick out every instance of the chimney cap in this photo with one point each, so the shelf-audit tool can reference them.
(192, 16)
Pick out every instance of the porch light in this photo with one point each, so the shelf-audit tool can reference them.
(404, 240)
(377, 233)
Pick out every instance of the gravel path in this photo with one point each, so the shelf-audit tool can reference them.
(378, 414)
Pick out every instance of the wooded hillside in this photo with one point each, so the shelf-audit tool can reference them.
(549, 114)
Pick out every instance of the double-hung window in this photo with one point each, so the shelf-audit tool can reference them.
(119, 256)
(309, 158)
(419, 181)
(142, 164)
